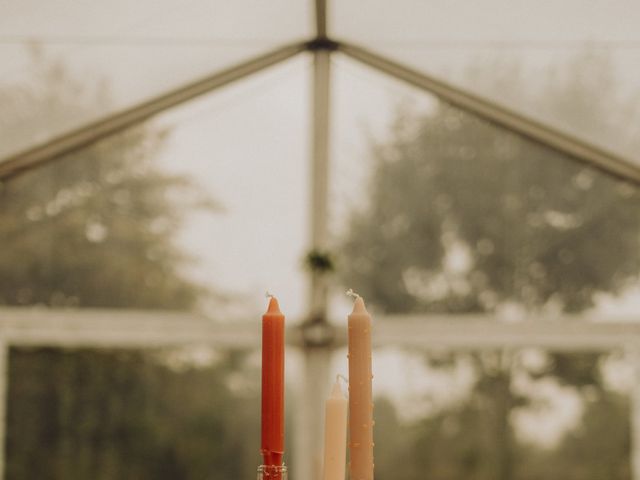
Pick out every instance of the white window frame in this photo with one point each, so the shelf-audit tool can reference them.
(131, 329)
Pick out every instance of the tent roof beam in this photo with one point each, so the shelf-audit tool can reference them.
(119, 121)
(539, 132)
(536, 131)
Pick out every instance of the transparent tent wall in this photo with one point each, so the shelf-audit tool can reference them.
(171, 413)
(456, 220)
(500, 414)
(493, 47)
(107, 57)
(454, 214)
(171, 219)
(496, 245)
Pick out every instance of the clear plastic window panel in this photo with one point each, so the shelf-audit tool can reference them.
(171, 413)
(555, 61)
(202, 209)
(438, 211)
(516, 414)
(66, 63)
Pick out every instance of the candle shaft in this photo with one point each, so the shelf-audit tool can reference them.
(335, 435)
(272, 445)
(360, 393)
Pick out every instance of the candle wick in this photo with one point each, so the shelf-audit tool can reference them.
(268, 294)
(351, 293)
(346, 384)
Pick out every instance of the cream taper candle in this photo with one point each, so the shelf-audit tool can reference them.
(335, 434)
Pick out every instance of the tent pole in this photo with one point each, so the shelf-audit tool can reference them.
(317, 358)
(321, 18)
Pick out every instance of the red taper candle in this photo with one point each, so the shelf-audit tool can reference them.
(272, 446)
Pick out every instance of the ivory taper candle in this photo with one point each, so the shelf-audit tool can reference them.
(335, 434)
(360, 394)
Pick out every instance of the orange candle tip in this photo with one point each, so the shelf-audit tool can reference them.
(274, 307)
(358, 306)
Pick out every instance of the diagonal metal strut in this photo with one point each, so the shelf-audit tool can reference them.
(608, 162)
(600, 158)
(119, 121)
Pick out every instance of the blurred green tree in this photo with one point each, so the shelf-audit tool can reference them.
(465, 217)
(97, 229)
(88, 414)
